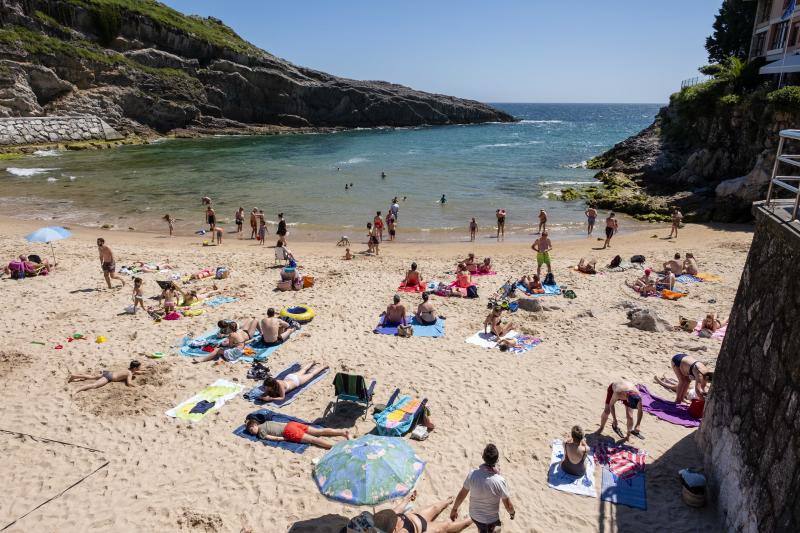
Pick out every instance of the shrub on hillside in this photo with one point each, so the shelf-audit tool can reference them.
(785, 98)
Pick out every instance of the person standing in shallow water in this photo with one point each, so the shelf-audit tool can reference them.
(473, 229)
(501, 224)
(254, 223)
(542, 221)
(591, 216)
(282, 232)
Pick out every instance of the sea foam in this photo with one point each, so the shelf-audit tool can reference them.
(27, 172)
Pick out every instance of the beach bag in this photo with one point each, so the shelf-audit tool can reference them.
(405, 331)
(549, 279)
(285, 285)
(222, 272)
(17, 269)
(472, 291)
(569, 293)
(308, 281)
(637, 259)
(362, 523)
(257, 371)
(696, 408)
(615, 262)
(297, 283)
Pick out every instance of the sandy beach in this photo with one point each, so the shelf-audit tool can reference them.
(164, 474)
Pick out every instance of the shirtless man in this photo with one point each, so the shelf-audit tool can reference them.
(232, 347)
(107, 263)
(395, 314)
(274, 330)
(253, 223)
(426, 313)
(239, 217)
(591, 216)
(542, 221)
(611, 228)
(690, 264)
(473, 229)
(267, 429)
(669, 278)
(211, 218)
(674, 264)
(105, 377)
(677, 218)
(542, 247)
(501, 224)
(275, 390)
(494, 323)
(625, 392)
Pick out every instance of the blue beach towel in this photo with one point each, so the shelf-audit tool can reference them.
(630, 492)
(216, 301)
(294, 447)
(549, 290)
(560, 480)
(192, 347)
(420, 330)
(688, 278)
(255, 392)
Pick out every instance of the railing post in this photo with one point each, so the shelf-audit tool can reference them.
(775, 169)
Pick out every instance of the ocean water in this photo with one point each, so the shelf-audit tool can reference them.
(479, 168)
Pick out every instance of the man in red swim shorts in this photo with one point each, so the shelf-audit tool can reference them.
(625, 392)
(265, 427)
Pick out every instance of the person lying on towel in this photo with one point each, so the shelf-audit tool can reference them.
(275, 390)
(291, 431)
(625, 392)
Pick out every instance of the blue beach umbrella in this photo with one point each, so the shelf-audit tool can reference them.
(368, 470)
(48, 235)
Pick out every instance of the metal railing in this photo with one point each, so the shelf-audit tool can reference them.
(785, 182)
(697, 80)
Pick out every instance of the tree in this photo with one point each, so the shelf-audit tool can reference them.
(733, 29)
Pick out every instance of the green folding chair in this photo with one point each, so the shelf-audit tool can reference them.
(353, 389)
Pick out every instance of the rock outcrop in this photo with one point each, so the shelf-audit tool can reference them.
(143, 67)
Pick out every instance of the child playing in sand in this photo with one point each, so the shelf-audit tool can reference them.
(169, 220)
(170, 297)
(138, 296)
(106, 376)
(347, 255)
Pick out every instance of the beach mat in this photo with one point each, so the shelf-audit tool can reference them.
(525, 343)
(420, 330)
(549, 290)
(216, 301)
(667, 410)
(218, 392)
(488, 340)
(718, 334)
(705, 276)
(294, 447)
(255, 392)
(631, 491)
(414, 288)
(688, 278)
(260, 351)
(560, 480)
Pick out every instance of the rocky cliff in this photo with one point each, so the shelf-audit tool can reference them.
(710, 152)
(143, 67)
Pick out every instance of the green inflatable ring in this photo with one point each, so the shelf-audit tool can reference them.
(301, 313)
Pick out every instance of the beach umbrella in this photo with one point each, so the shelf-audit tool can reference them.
(368, 470)
(48, 235)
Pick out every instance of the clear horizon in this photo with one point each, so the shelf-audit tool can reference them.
(512, 51)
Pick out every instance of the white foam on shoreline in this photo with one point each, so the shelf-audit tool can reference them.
(52, 180)
(582, 164)
(567, 182)
(47, 153)
(542, 122)
(353, 161)
(28, 172)
(507, 145)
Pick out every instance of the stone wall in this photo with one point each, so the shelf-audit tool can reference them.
(34, 130)
(751, 427)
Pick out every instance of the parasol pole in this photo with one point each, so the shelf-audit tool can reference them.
(53, 251)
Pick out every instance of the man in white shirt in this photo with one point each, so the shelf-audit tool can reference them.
(395, 209)
(486, 489)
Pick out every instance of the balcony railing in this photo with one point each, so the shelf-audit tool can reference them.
(787, 183)
(695, 81)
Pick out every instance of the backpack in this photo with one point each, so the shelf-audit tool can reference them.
(615, 262)
(472, 291)
(549, 279)
(637, 259)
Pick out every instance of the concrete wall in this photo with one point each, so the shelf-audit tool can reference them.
(751, 427)
(31, 130)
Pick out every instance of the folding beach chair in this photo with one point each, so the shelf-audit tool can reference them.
(353, 389)
(401, 415)
(281, 257)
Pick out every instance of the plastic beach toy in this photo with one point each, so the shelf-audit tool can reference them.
(100, 339)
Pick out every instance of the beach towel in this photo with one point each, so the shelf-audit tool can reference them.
(525, 343)
(718, 334)
(254, 351)
(216, 301)
(705, 276)
(560, 480)
(420, 330)
(629, 491)
(671, 295)
(688, 278)
(488, 340)
(217, 393)
(549, 290)
(414, 288)
(667, 410)
(623, 460)
(490, 273)
(255, 392)
(295, 447)
(396, 419)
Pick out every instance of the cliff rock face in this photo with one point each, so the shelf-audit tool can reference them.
(142, 66)
(712, 163)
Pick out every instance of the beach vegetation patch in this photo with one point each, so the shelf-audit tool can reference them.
(785, 98)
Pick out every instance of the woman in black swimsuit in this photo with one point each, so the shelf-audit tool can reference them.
(576, 448)
(687, 368)
(395, 521)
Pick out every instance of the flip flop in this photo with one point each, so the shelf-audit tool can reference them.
(637, 433)
(618, 431)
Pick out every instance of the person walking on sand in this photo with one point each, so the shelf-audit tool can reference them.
(677, 218)
(542, 247)
(211, 218)
(395, 209)
(625, 392)
(473, 229)
(612, 226)
(501, 224)
(281, 231)
(239, 216)
(254, 223)
(591, 216)
(106, 376)
(486, 488)
(170, 221)
(542, 221)
(377, 222)
(107, 263)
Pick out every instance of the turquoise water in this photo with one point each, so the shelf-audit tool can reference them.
(480, 168)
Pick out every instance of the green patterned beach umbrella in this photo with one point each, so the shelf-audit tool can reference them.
(369, 470)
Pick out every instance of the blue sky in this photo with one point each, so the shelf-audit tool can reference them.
(491, 50)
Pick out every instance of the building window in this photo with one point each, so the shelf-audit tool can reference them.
(793, 34)
(766, 9)
(758, 44)
(779, 35)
